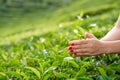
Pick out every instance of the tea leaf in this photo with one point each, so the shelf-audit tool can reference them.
(102, 72)
(35, 71)
(3, 74)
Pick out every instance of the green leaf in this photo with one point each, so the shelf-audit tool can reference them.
(84, 78)
(68, 58)
(14, 74)
(3, 74)
(74, 64)
(46, 77)
(4, 57)
(41, 67)
(35, 71)
(60, 74)
(81, 72)
(102, 72)
(49, 69)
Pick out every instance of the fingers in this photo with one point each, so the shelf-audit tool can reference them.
(83, 54)
(83, 47)
(80, 51)
(79, 46)
(88, 35)
(77, 50)
(78, 42)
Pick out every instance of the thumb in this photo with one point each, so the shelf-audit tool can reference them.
(89, 36)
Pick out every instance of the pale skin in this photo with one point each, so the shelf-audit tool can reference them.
(92, 46)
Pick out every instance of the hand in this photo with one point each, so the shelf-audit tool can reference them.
(87, 47)
(90, 46)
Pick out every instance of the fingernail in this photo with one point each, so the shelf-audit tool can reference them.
(75, 54)
(70, 48)
(72, 44)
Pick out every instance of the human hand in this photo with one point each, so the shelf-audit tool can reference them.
(89, 47)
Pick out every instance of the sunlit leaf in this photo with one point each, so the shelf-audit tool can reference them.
(102, 72)
(35, 71)
(81, 72)
(3, 74)
(49, 69)
(73, 63)
(4, 57)
(68, 58)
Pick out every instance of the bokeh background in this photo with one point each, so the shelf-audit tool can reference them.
(34, 36)
(33, 17)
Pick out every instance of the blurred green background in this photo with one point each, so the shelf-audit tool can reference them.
(34, 36)
(23, 18)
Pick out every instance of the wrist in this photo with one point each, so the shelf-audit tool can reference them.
(106, 47)
(111, 46)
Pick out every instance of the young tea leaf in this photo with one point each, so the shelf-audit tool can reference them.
(2, 74)
(35, 71)
(102, 72)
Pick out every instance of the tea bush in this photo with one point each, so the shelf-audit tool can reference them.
(45, 57)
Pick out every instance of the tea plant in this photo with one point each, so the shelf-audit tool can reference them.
(45, 57)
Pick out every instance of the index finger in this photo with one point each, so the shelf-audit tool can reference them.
(77, 42)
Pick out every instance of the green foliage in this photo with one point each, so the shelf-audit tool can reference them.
(34, 70)
(45, 56)
(34, 18)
